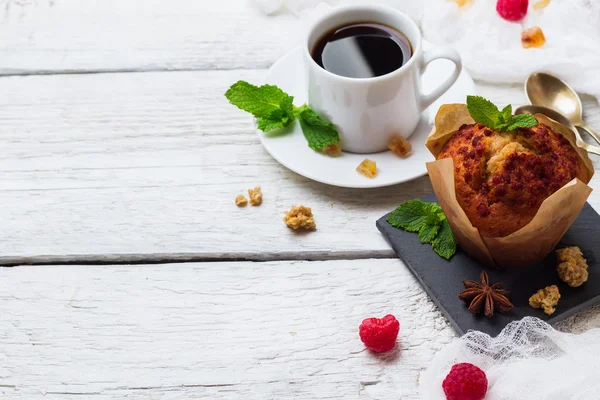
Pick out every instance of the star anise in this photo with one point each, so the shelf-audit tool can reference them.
(486, 298)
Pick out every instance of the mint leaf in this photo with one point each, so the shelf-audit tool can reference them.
(318, 132)
(276, 119)
(418, 216)
(429, 232)
(521, 121)
(259, 101)
(268, 124)
(273, 108)
(270, 105)
(433, 212)
(440, 214)
(287, 107)
(506, 114)
(410, 216)
(429, 221)
(444, 244)
(483, 111)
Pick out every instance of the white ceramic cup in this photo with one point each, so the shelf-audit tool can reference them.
(369, 111)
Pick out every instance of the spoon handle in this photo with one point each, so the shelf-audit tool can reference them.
(595, 135)
(592, 149)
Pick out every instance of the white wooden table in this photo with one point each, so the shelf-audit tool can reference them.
(135, 275)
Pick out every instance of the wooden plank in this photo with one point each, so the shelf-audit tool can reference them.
(151, 163)
(218, 331)
(67, 36)
(145, 166)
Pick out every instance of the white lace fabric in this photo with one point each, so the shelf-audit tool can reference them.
(528, 360)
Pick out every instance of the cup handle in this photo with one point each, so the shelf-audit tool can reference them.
(435, 54)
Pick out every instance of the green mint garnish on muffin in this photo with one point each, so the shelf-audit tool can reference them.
(429, 221)
(485, 112)
(273, 109)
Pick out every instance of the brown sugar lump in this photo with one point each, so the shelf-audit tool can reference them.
(241, 201)
(400, 146)
(367, 168)
(546, 299)
(255, 196)
(572, 267)
(300, 217)
(502, 178)
(333, 150)
(533, 38)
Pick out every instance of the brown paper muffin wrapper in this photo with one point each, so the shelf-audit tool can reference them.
(534, 241)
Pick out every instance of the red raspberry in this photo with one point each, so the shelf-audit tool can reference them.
(512, 10)
(379, 335)
(465, 382)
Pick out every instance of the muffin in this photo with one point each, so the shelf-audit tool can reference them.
(508, 197)
(502, 178)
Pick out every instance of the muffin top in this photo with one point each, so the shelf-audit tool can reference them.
(502, 178)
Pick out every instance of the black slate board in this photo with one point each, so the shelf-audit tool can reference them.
(442, 279)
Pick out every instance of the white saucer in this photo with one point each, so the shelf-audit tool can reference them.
(291, 150)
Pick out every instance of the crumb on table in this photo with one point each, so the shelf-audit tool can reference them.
(255, 196)
(367, 168)
(400, 146)
(300, 217)
(546, 298)
(241, 201)
(572, 267)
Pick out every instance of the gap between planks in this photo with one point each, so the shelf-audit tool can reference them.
(180, 258)
(9, 74)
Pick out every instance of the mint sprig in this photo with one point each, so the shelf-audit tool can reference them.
(444, 243)
(485, 112)
(429, 221)
(274, 109)
(270, 105)
(318, 132)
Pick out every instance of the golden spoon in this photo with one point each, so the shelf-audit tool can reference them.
(548, 91)
(561, 119)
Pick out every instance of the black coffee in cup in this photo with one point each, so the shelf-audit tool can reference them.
(362, 50)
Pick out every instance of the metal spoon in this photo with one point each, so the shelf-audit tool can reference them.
(548, 91)
(561, 119)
